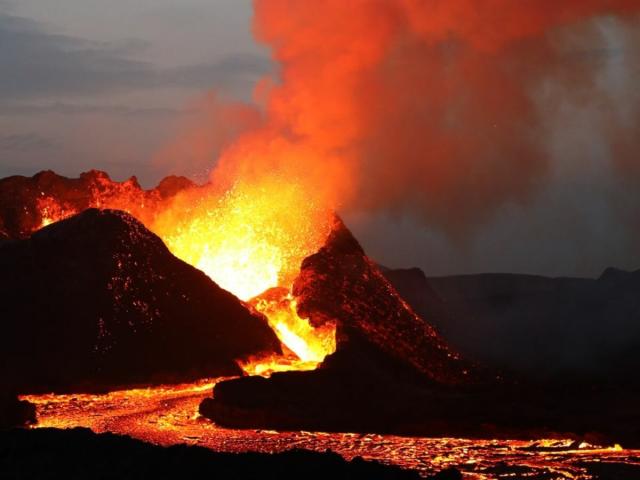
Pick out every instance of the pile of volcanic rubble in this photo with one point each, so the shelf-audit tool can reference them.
(96, 301)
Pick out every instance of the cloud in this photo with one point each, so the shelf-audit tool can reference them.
(232, 68)
(63, 108)
(36, 63)
(25, 142)
(7, 5)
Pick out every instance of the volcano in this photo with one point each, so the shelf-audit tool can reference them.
(107, 285)
(105, 294)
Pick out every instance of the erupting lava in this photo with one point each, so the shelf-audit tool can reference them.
(309, 344)
(250, 239)
(52, 211)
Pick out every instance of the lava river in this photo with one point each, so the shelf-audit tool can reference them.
(167, 415)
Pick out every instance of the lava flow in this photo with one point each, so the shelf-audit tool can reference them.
(167, 415)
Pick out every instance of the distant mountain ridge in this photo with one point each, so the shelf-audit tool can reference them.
(533, 324)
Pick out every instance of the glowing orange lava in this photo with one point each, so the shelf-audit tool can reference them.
(249, 239)
(306, 345)
(167, 415)
(52, 211)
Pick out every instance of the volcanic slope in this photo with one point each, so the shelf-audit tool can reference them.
(97, 301)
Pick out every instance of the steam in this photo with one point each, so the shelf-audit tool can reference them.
(209, 126)
(432, 107)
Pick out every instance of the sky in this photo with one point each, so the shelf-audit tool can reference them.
(92, 84)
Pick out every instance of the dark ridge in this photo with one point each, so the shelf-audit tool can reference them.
(80, 454)
(14, 412)
(551, 329)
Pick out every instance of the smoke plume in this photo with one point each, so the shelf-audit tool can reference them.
(427, 106)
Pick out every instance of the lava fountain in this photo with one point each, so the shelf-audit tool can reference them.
(251, 240)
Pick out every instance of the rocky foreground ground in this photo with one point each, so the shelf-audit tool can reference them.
(79, 453)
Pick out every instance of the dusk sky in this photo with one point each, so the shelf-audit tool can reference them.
(90, 84)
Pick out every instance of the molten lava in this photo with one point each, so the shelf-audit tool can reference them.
(165, 415)
(308, 345)
(52, 211)
(250, 239)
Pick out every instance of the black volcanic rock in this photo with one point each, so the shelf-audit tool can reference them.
(339, 401)
(80, 454)
(355, 390)
(27, 202)
(340, 284)
(3, 234)
(450, 473)
(14, 412)
(414, 287)
(97, 301)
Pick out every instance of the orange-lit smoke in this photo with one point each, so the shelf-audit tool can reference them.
(425, 105)
(208, 126)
